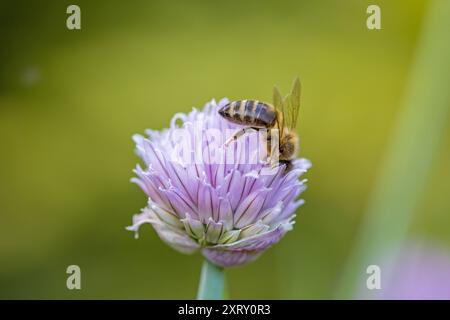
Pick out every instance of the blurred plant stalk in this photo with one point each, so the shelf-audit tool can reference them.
(409, 158)
(212, 282)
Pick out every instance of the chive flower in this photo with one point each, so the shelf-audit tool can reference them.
(205, 197)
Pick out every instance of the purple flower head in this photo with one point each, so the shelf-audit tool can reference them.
(203, 196)
(420, 272)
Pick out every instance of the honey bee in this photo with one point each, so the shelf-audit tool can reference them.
(258, 115)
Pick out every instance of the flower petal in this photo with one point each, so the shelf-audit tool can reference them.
(249, 209)
(270, 215)
(227, 259)
(213, 231)
(259, 241)
(193, 227)
(166, 216)
(254, 229)
(180, 241)
(229, 236)
(233, 187)
(225, 213)
(176, 238)
(208, 203)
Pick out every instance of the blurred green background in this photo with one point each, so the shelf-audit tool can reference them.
(71, 100)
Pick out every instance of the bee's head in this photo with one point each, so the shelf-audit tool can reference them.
(289, 146)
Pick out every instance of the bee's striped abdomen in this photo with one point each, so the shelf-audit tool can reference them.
(252, 113)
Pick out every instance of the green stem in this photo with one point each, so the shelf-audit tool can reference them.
(409, 158)
(212, 282)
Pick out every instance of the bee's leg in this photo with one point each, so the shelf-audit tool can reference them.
(239, 133)
(288, 165)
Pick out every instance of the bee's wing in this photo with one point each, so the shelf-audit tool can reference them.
(279, 106)
(292, 103)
